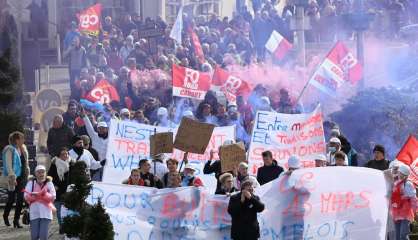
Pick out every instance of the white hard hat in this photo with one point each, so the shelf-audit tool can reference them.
(321, 157)
(394, 163)
(162, 111)
(228, 142)
(102, 124)
(40, 167)
(189, 166)
(124, 111)
(404, 169)
(335, 140)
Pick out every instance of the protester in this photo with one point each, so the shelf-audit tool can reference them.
(243, 208)
(172, 165)
(403, 203)
(78, 153)
(134, 178)
(159, 168)
(87, 146)
(270, 170)
(124, 114)
(149, 179)
(227, 184)
(40, 195)
(59, 171)
(243, 176)
(379, 162)
(214, 167)
(77, 59)
(345, 146)
(188, 177)
(293, 164)
(16, 171)
(333, 147)
(60, 135)
(321, 160)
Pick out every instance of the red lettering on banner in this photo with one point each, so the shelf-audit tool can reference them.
(131, 147)
(335, 202)
(170, 208)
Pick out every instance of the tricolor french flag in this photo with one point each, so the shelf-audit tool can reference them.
(278, 45)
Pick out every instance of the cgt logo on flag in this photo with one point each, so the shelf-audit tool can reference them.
(90, 19)
(190, 83)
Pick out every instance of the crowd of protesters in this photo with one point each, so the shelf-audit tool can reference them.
(141, 73)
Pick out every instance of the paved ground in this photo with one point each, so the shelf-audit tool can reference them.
(10, 233)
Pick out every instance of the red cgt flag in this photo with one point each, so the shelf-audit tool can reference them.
(190, 83)
(409, 156)
(230, 85)
(103, 92)
(196, 45)
(338, 67)
(89, 19)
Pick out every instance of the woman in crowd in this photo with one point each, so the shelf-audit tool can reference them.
(40, 194)
(60, 173)
(16, 169)
(243, 175)
(227, 184)
(134, 178)
(172, 165)
(403, 203)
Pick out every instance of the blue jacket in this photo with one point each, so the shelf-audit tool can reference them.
(11, 161)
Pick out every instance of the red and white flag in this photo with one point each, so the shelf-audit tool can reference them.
(409, 156)
(338, 67)
(103, 92)
(278, 45)
(230, 85)
(90, 19)
(190, 83)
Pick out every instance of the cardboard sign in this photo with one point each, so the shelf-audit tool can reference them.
(161, 143)
(231, 156)
(193, 136)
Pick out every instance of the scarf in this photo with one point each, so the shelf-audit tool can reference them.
(78, 150)
(62, 167)
(104, 136)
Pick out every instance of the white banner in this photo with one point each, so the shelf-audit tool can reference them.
(313, 203)
(129, 143)
(285, 135)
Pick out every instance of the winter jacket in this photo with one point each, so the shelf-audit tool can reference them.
(40, 205)
(267, 174)
(216, 168)
(244, 217)
(379, 165)
(58, 138)
(403, 201)
(60, 185)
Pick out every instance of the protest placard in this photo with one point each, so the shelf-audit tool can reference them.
(161, 143)
(299, 206)
(193, 136)
(129, 142)
(301, 135)
(231, 155)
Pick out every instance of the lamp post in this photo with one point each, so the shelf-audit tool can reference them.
(359, 21)
(299, 24)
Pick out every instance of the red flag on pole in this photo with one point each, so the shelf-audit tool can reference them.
(409, 156)
(89, 19)
(339, 66)
(103, 92)
(230, 85)
(190, 83)
(196, 45)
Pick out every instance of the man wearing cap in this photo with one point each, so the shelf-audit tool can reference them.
(78, 153)
(333, 147)
(243, 208)
(270, 170)
(403, 203)
(163, 119)
(99, 139)
(293, 164)
(345, 146)
(379, 162)
(188, 177)
(321, 160)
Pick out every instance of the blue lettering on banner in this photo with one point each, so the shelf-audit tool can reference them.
(261, 137)
(129, 161)
(134, 235)
(262, 125)
(132, 132)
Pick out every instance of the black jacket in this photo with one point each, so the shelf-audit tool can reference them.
(244, 217)
(379, 165)
(152, 183)
(58, 138)
(216, 168)
(266, 174)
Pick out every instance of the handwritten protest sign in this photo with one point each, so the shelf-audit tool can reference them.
(297, 207)
(285, 135)
(193, 136)
(231, 155)
(161, 143)
(129, 142)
